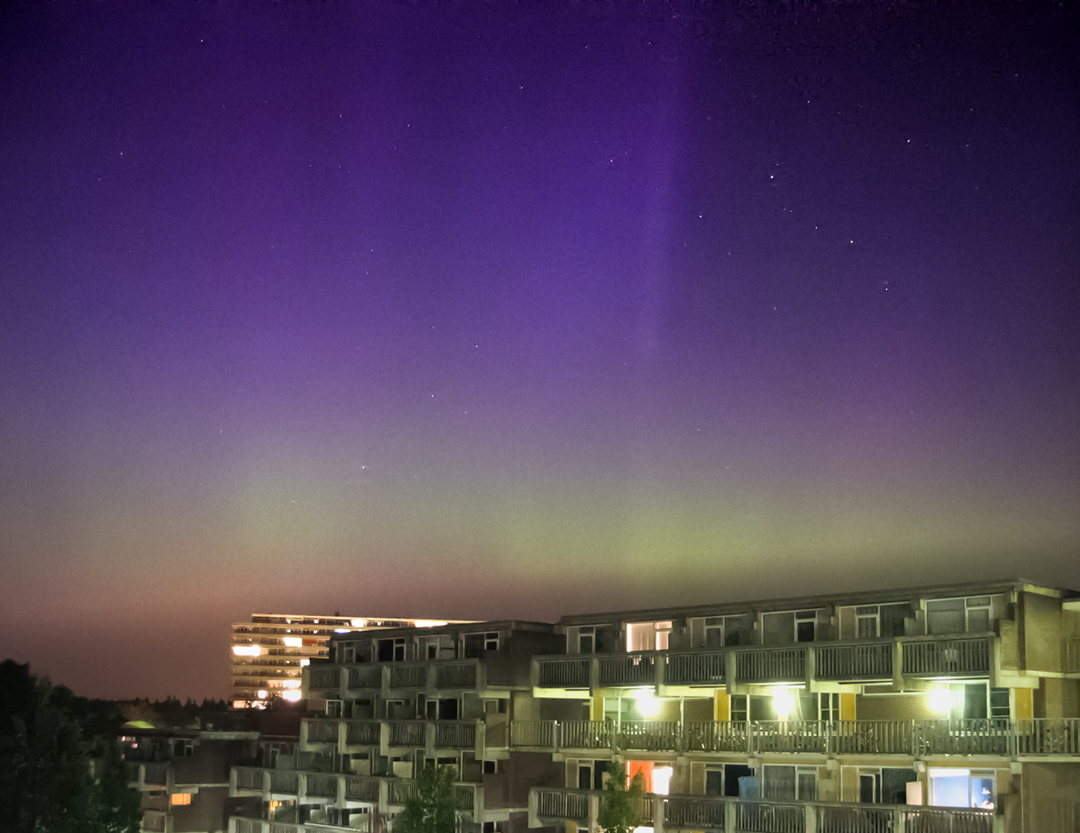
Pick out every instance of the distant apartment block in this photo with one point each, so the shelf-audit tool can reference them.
(269, 653)
(949, 709)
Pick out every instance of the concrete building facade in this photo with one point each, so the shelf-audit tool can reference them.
(934, 709)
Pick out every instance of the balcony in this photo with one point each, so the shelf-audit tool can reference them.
(930, 657)
(855, 661)
(551, 806)
(1043, 737)
(946, 658)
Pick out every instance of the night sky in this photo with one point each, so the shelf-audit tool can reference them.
(514, 310)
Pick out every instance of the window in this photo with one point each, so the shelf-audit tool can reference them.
(180, 799)
(647, 636)
(390, 650)
(590, 774)
(740, 709)
(491, 767)
(828, 707)
(714, 634)
(586, 640)
(789, 783)
(867, 622)
(474, 644)
(805, 621)
(978, 613)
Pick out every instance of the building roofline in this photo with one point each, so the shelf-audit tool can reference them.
(820, 600)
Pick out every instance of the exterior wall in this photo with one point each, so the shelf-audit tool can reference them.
(1050, 797)
(894, 707)
(1041, 643)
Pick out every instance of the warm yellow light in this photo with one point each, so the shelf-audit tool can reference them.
(359, 623)
(428, 623)
(262, 693)
(292, 695)
(180, 799)
(304, 662)
(784, 704)
(247, 650)
(293, 641)
(941, 701)
(291, 683)
(647, 704)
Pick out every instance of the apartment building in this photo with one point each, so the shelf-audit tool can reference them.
(269, 652)
(951, 709)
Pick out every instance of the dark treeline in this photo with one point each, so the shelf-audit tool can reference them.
(62, 769)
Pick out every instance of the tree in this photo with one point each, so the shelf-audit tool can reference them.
(619, 803)
(433, 807)
(46, 783)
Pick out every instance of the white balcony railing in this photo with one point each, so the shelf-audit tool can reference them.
(712, 813)
(913, 738)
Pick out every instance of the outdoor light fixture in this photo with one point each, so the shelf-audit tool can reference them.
(783, 704)
(647, 704)
(292, 695)
(941, 701)
(293, 641)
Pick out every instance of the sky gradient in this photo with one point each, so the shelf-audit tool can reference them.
(515, 310)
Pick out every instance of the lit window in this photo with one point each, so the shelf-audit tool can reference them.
(180, 799)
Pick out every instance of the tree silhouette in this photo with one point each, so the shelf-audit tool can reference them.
(46, 781)
(619, 803)
(433, 807)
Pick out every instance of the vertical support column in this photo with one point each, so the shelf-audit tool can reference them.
(731, 816)
(811, 818)
(658, 814)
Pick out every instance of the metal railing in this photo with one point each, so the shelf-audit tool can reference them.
(362, 732)
(456, 675)
(633, 669)
(946, 657)
(854, 661)
(564, 672)
(365, 676)
(324, 678)
(771, 665)
(920, 656)
(324, 786)
(408, 676)
(321, 731)
(408, 733)
(361, 789)
(455, 734)
(718, 814)
(696, 669)
(914, 738)
(249, 778)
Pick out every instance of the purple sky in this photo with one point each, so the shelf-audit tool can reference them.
(515, 310)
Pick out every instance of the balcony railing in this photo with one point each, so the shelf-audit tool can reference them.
(249, 778)
(706, 668)
(365, 676)
(635, 669)
(324, 786)
(771, 665)
(321, 731)
(925, 656)
(649, 735)
(362, 732)
(456, 675)
(947, 657)
(408, 676)
(283, 781)
(564, 672)
(362, 789)
(455, 734)
(716, 814)
(321, 678)
(408, 733)
(855, 661)
(913, 738)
